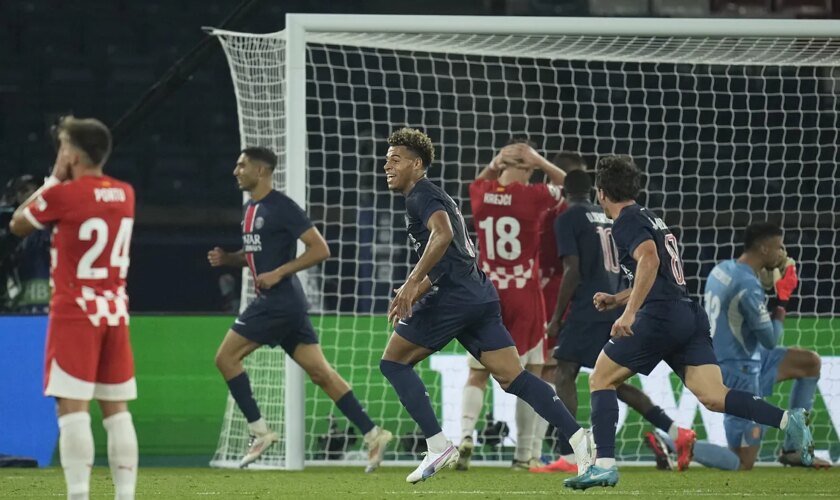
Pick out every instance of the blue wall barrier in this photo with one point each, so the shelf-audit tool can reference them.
(28, 424)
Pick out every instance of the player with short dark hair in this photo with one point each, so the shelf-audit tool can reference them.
(88, 353)
(447, 296)
(659, 323)
(272, 225)
(590, 264)
(507, 210)
(551, 275)
(265, 155)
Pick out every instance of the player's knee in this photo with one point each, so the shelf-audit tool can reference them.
(712, 400)
(600, 382)
(321, 376)
(222, 361)
(505, 379)
(813, 364)
(390, 368)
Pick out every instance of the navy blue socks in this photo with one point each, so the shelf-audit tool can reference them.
(412, 394)
(240, 389)
(352, 409)
(745, 405)
(544, 401)
(604, 420)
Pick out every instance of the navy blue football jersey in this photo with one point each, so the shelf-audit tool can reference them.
(270, 231)
(635, 225)
(585, 231)
(456, 278)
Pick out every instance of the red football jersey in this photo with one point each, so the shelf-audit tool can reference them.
(507, 222)
(92, 220)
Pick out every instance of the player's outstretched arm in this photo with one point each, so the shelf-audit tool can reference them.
(571, 280)
(316, 252)
(217, 257)
(440, 236)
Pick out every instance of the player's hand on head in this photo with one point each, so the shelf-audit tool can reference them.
(623, 326)
(497, 163)
(267, 280)
(216, 257)
(530, 155)
(506, 158)
(603, 301)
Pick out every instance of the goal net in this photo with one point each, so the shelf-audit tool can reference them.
(728, 130)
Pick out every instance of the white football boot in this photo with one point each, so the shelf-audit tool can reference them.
(433, 462)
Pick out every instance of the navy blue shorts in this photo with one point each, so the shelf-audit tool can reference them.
(674, 331)
(581, 342)
(757, 377)
(264, 323)
(478, 327)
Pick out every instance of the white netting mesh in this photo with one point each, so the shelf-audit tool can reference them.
(258, 72)
(688, 50)
(728, 131)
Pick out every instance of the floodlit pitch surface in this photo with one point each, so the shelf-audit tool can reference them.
(327, 483)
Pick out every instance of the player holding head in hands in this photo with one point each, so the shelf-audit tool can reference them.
(88, 353)
(447, 296)
(590, 264)
(272, 225)
(507, 210)
(659, 322)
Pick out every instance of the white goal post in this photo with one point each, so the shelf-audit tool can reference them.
(748, 63)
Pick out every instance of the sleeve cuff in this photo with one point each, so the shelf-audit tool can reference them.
(50, 182)
(27, 214)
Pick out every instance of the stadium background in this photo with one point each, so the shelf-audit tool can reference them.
(97, 58)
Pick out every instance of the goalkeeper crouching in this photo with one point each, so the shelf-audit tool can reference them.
(746, 337)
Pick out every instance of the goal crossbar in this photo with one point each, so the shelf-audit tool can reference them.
(528, 25)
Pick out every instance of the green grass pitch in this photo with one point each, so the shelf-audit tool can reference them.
(327, 483)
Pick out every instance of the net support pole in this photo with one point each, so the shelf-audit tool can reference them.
(296, 164)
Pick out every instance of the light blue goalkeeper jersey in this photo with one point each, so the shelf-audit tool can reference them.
(735, 303)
